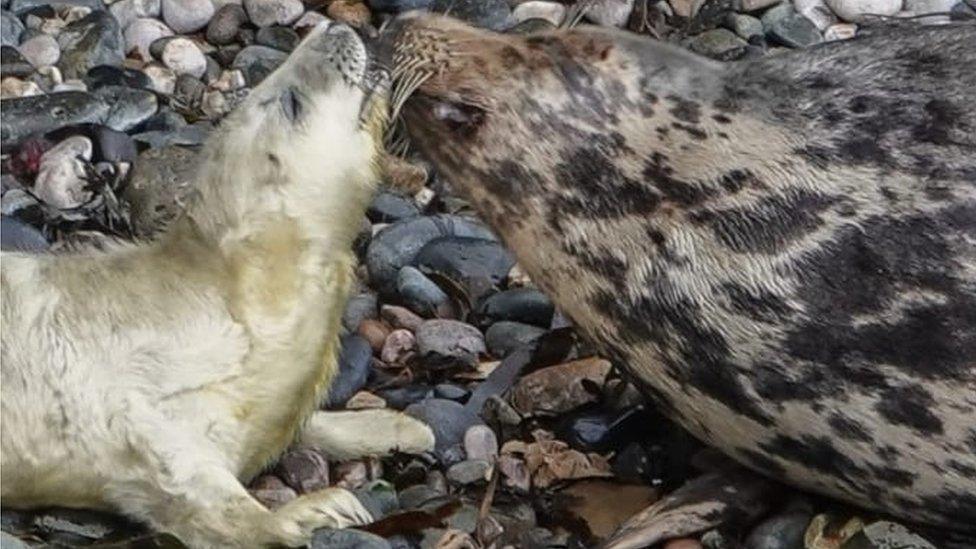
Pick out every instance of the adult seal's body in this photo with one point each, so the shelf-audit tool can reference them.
(782, 251)
(153, 379)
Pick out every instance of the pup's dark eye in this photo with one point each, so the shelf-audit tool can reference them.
(291, 104)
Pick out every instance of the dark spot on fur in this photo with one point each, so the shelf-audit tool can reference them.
(847, 428)
(657, 237)
(768, 225)
(815, 453)
(861, 272)
(942, 117)
(762, 462)
(773, 382)
(910, 406)
(735, 180)
(964, 469)
(820, 82)
(685, 110)
(863, 150)
(603, 263)
(696, 133)
(888, 453)
(860, 104)
(659, 172)
(703, 355)
(511, 57)
(958, 507)
(540, 40)
(921, 62)
(758, 304)
(895, 477)
(597, 188)
(721, 118)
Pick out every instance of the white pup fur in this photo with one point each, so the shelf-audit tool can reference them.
(153, 379)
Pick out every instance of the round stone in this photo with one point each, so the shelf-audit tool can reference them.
(186, 16)
(41, 50)
(184, 57)
(264, 13)
(143, 32)
(856, 11)
(223, 28)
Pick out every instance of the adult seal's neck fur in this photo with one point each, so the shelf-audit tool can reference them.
(780, 250)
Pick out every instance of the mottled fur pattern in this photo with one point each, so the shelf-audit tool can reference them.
(152, 379)
(782, 251)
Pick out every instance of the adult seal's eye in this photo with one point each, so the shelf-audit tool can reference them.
(291, 104)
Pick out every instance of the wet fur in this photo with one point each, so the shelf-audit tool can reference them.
(152, 379)
(781, 251)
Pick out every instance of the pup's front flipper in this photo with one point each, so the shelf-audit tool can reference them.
(354, 434)
(181, 484)
(328, 508)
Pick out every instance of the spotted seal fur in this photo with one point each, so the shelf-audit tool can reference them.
(153, 379)
(782, 251)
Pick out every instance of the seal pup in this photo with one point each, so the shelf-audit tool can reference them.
(152, 379)
(781, 251)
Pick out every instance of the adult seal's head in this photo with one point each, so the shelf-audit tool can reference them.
(782, 250)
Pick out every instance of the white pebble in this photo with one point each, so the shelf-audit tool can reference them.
(70, 14)
(264, 13)
(229, 80)
(840, 31)
(214, 104)
(539, 9)
(51, 74)
(12, 87)
(61, 178)
(143, 32)
(127, 11)
(52, 25)
(70, 85)
(916, 8)
(855, 11)
(610, 13)
(481, 443)
(310, 19)
(184, 57)
(186, 16)
(921, 7)
(41, 51)
(163, 78)
(754, 5)
(816, 11)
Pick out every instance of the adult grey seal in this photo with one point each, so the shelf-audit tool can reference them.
(153, 379)
(781, 251)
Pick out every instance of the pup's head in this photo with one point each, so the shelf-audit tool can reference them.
(302, 148)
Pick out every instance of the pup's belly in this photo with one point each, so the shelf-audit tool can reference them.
(48, 456)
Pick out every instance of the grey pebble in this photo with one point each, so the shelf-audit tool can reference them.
(506, 336)
(257, 62)
(24, 116)
(346, 538)
(10, 28)
(419, 293)
(398, 244)
(445, 342)
(93, 40)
